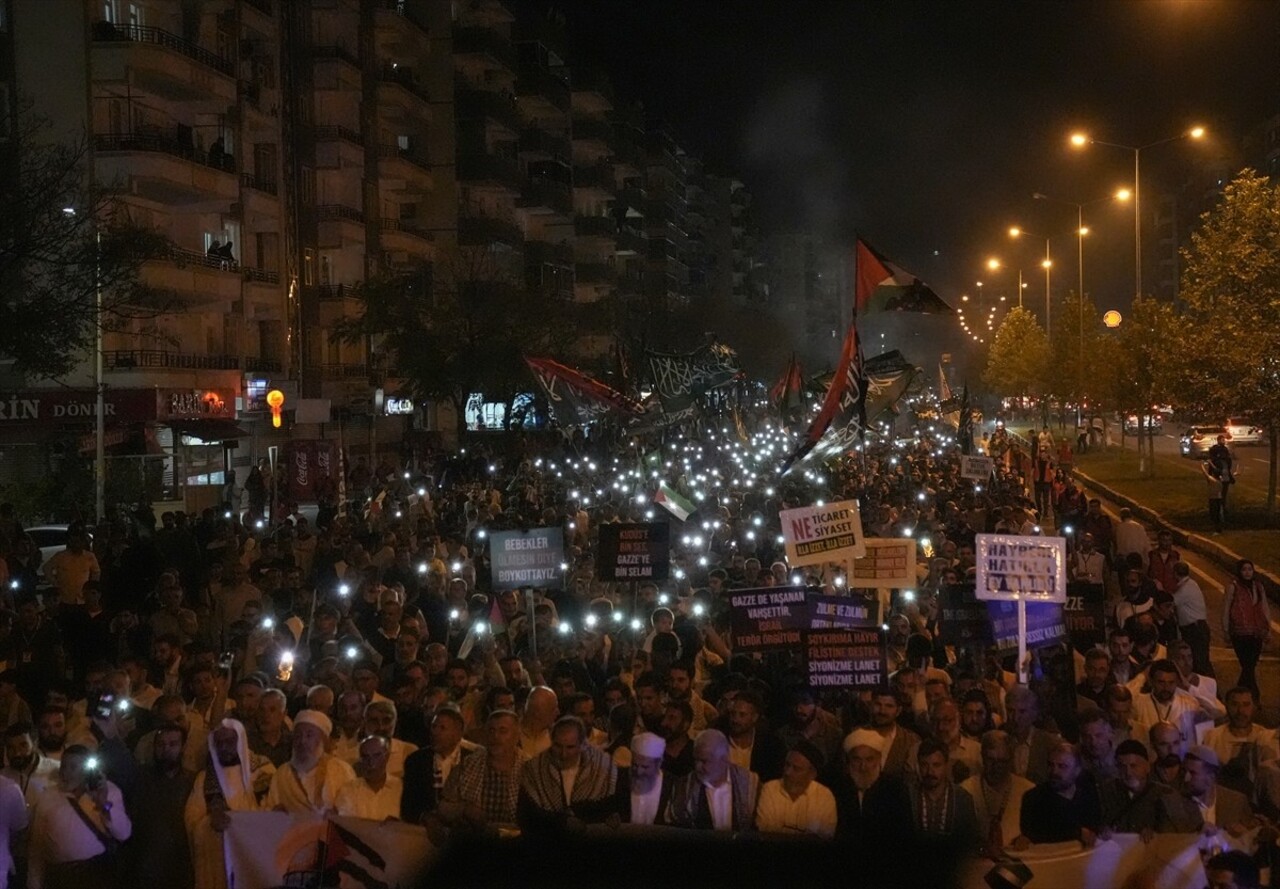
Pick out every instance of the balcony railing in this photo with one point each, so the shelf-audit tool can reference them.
(631, 241)
(479, 229)
(260, 276)
(335, 292)
(333, 133)
(405, 78)
(183, 258)
(408, 226)
(336, 51)
(266, 186)
(474, 166)
(544, 192)
(344, 371)
(400, 8)
(325, 212)
(414, 157)
(535, 80)
(485, 41)
(135, 359)
(165, 145)
(536, 141)
(595, 226)
(544, 252)
(263, 6)
(106, 32)
(474, 104)
(263, 365)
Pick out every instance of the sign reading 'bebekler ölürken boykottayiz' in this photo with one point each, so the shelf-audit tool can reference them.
(530, 558)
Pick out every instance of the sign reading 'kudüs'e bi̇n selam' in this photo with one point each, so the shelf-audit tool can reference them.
(532, 558)
(635, 551)
(1012, 567)
(828, 533)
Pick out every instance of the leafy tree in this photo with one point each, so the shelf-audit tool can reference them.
(461, 326)
(1073, 347)
(1231, 289)
(64, 236)
(1018, 361)
(1143, 369)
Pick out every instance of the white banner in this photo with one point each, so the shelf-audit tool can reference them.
(268, 849)
(978, 469)
(1169, 861)
(828, 533)
(1013, 567)
(889, 564)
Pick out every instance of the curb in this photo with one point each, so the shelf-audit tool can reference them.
(1225, 558)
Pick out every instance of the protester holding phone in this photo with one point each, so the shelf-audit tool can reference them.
(78, 828)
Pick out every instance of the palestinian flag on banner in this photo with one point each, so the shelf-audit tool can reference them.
(575, 398)
(789, 389)
(883, 286)
(845, 398)
(671, 500)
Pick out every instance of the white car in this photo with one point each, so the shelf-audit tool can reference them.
(1243, 431)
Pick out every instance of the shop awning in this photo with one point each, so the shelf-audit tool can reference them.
(210, 430)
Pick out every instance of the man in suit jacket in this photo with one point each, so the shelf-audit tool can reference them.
(751, 745)
(1131, 800)
(1031, 744)
(899, 752)
(1203, 802)
(427, 769)
(716, 795)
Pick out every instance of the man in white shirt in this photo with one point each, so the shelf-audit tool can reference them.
(13, 820)
(309, 782)
(1131, 537)
(997, 793)
(380, 719)
(1192, 615)
(796, 802)
(649, 788)
(349, 714)
(1205, 688)
(1240, 731)
(25, 765)
(1089, 565)
(716, 795)
(77, 825)
(374, 794)
(1166, 702)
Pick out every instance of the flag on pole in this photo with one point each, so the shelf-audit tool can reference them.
(846, 394)
(883, 286)
(671, 500)
(575, 398)
(964, 430)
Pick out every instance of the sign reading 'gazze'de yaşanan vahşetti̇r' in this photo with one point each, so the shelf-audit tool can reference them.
(526, 558)
(828, 533)
(768, 617)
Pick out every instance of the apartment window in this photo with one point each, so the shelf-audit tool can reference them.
(326, 268)
(111, 11)
(308, 266)
(308, 189)
(402, 142)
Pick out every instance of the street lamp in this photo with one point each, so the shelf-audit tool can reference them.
(1047, 265)
(1080, 140)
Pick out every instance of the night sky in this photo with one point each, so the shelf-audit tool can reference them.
(926, 126)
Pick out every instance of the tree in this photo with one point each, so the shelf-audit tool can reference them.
(1073, 347)
(460, 326)
(1018, 362)
(64, 237)
(1231, 288)
(1143, 371)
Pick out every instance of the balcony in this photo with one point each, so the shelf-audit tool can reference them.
(595, 227)
(401, 87)
(544, 88)
(263, 6)
(260, 276)
(192, 280)
(162, 63)
(340, 225)
(336, 52)
(595, 273)
(408, 29)
(344, 371)
(599, 177)
(164, 144)
(487, 45)
(332, 133)
(159, 167)
(479, 229)
(544, 253)
(162, 359)
(266, 186)
(548, 195)
(408, 166)
(405, 236)
(336, 292)
(540, 144)
(474, 104)
(475, 168)
(262, 365)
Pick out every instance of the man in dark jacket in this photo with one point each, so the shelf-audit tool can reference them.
(1066, 806)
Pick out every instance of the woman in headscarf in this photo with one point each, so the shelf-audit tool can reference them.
(1246, 620)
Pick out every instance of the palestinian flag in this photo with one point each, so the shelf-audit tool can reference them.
(883, 286)
(845, 398)
(671, 500)
(575, 398)
(789, 390)
(964, 430)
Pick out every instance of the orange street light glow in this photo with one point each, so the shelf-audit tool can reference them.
(1079, 140)
(1014, 231)
(1084, 230)
(1196, 132)
(1123, 194)
(1046, 264)
(993, 264)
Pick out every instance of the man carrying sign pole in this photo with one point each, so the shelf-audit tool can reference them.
(1012, 568)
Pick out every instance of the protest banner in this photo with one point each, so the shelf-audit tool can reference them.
(818, 534)
(1085, 614)
(1044, 624)
(889, 564)
(768, 618)
(854, 657)
(842, 611)
(977, 469)
(1167, 861)
(530, 558)
(267, 849)
(1013, 567)
(639, 551)
(963, 619)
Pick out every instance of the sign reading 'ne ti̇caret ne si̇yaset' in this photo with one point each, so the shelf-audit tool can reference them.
(828, 533)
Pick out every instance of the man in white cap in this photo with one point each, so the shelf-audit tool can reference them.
(311, 779)
(871, 807)
(227, 784)
(647, 789)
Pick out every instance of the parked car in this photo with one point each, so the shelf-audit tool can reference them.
(1197, 440)
(1243, 431)
(1151, 422)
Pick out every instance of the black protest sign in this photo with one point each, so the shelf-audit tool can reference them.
(639, 551)
(963, 619)
(1085, 614)
(768, 618)
(853, 657)
(842, 611)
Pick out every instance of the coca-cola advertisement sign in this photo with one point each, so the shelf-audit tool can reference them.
(310, 468)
